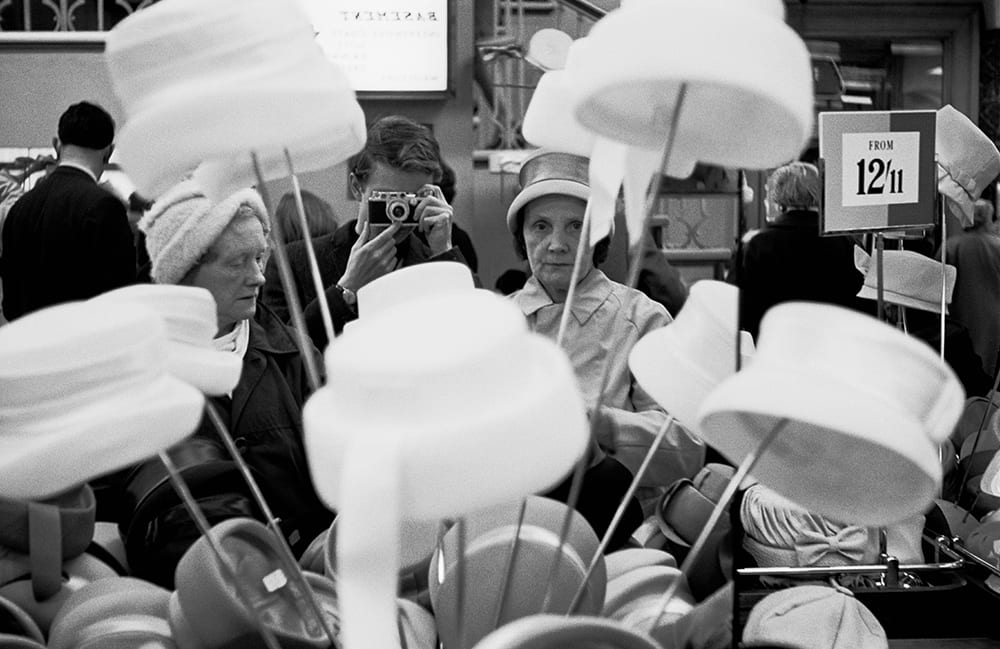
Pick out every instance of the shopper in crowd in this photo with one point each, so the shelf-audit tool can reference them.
(399, 156)
(606, 320)
(459, 237)
(319, 216)
(68, 239)
(788, 259)
(221, 247)
(975, 253)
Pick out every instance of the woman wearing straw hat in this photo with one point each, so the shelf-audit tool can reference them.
(607, 318)
(222, 247)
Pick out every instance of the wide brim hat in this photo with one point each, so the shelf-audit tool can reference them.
(192, 321)
(110, 402)
(548, 121)
(249, 71)
(547, 172)
(754, 110)
(909, 279)
(210, 606)
(680, 364)
(863, 407)
(412, 282)
(967, 161)
(621, 561)
(489, 540)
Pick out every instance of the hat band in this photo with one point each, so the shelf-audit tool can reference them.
(25, 399)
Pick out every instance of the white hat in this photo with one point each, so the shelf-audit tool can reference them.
(547, 172)
(85, 390)
(548, 121)
(680, 364)
(427, 413)
(749, 100)
(248, 73)
(908, 279)
(865, 405)
(190, 315)
(184, 222)
(634, 598)
(115, 610)
(967, 161)
(412, 282)
(549, 630)
(489, 537)
(813, 617)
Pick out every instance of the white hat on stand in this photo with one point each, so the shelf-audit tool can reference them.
(865, 406)
(213, 81)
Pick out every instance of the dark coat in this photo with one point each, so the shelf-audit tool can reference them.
(789, 260)
(264, 417)
(66, 239)
(332, 253)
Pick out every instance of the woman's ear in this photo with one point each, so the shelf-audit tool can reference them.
(357, 191)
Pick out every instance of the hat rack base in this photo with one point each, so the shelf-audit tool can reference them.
(272, 524)
(619, 514)
(300, 209)
(633, 278)
(288, 282)
(225, 566)
(727, 495)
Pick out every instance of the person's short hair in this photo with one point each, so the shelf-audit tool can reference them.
(601, 250)
(400, 143)
(319, 216)
(86, 125)
(983, 212)
(794, 186)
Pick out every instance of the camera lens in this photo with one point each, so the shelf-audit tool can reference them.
(397, 210)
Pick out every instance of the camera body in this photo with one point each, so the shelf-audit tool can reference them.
(386, 208)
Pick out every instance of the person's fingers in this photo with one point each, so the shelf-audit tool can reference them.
(362, 238)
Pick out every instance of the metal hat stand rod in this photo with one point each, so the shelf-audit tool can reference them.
(633, 278)
(226, 566)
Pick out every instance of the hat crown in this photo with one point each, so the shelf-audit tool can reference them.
(412, 282)
(909, 279)
(967, 160)
(554, 165)
(856, 349)
(189, 312)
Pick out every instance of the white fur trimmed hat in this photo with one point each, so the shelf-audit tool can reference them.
(183, 224)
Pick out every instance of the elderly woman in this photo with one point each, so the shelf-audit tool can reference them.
(222, 247)
(788, 259)
(607, 318)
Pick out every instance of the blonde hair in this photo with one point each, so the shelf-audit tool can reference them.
(794, 186)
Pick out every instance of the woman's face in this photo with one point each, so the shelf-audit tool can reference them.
(552, 228)
(233, 271)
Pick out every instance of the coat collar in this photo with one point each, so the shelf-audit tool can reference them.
(592, 291)
(805, 219)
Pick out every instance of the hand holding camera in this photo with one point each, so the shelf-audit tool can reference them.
(427, 211)
(372, 259)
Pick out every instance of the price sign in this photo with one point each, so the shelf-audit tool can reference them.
(879, 170)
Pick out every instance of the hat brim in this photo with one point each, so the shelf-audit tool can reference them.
(118, 431)
(634, 597)
(556, 186)
(870, 293)
(212, 372)
(844, 454)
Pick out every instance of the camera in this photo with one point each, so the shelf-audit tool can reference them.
(386, 208)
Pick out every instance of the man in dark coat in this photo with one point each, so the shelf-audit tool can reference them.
(399, 156)
(789, 260)
(68, 239)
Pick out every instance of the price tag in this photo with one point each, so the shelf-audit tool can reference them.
(884, 168)
(879, 170)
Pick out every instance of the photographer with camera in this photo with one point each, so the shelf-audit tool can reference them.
(403, 220)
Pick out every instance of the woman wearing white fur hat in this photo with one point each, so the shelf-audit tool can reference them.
(607, 319)
(222, 247)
